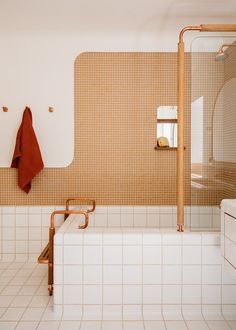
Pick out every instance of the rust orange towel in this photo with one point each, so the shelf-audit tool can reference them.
(27, 157)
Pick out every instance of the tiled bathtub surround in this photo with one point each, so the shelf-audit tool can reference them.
(24, 230)
(136, 273)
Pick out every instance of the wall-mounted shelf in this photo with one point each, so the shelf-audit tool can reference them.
(165, 148)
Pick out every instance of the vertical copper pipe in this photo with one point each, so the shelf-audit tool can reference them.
(180, 153)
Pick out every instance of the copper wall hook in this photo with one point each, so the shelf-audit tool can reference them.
(51, 109)
(5, 109)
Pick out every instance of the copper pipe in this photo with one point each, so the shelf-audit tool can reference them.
(180, 154)
(51, 242)
(81, 199)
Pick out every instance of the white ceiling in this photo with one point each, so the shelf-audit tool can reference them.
(139, 16)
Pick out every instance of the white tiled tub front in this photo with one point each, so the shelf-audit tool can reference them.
(140, 273)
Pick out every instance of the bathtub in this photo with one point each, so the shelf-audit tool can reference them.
(133, 273)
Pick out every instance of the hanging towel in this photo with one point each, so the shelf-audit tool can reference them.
(27, 157)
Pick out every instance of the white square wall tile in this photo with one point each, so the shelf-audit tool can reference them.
(34, 233)
(73, 274)
(101, 220)
(73, 294)
(192, 255)
(151, 294)
(8, 247)
(112, 294)
(153, 220)
(21, 246)
(92, 274)
(114, 220)
(132, 294)
(35, 246)
(152, 254)
(132, 274)
(112, 274)
(132, 238)
(171, 239)
(211, 255)
(171, 255)
(22, 233)
(91, 238)
(192, 274)
(191, 294)
(127, 219)
(132, 254)
(140, 220)
(211, 239)
(211, 274)
(211, 294)
(92, 294)
(112, 254)
(171, 294)
(191, 239)
(58, 254)
(35, 220)
(152, 274)
(8, 234)
(8, 220)
(21, 210)
(112, 238)
(166, 220)
(229, 294)
(150, 238)
(92, 254)
(171, 274)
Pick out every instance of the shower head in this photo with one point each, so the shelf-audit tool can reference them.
(221, 55)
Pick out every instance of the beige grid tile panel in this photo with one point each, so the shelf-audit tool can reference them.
(116, 96)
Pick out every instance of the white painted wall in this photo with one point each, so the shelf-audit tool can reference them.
(37, 69)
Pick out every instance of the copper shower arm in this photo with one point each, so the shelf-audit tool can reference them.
(208, 28)
(82, 199)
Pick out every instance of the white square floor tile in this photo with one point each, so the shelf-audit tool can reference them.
(154, 325)
(176, 325)
(218, 325)
(92, 312)
(232, 324)
(133, 325)
(13, 314)
(33, 314)
(112, 325)
(90, 325)
(48, 325)
(69, 325)
(39, 301)
(197, 325)
(8, 325)
(21, 301)
(172, 312)
(27, 325)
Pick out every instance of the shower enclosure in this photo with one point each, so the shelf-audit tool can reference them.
(206, 170)
(213, 128)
